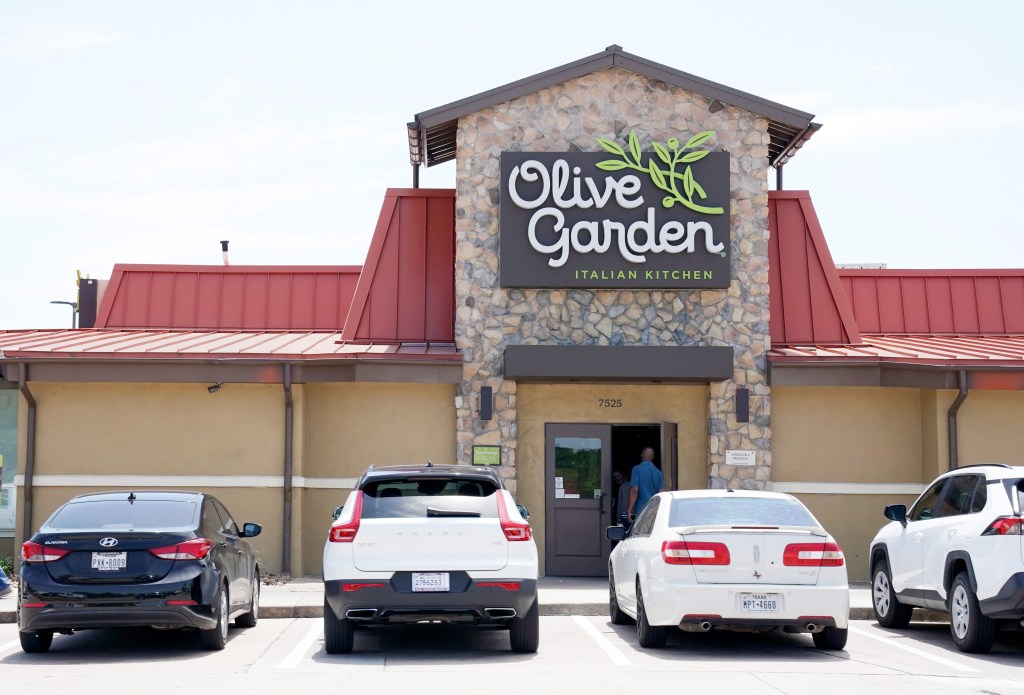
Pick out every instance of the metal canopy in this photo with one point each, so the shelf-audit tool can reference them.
(432, 133)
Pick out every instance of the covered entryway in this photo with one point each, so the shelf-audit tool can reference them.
(580, 494)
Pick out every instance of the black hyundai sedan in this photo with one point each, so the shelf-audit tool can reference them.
(128, 559)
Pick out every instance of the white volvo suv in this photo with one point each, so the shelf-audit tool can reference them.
(959, 549)
(430, 544)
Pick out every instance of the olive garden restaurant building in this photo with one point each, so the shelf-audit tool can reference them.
(611, 271)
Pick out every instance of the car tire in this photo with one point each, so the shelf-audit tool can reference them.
(338, 632)
(249, 619)
(889, 612)
(649, 636)
(614, 612)
(36, 642)
(830, 638)
(524, 633)
(972, 632)
(215, 638)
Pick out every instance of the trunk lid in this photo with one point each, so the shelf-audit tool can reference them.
(756, 555)
(109, 558)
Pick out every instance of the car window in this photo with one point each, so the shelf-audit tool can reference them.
(211, 524)
(924, 508)
(418, 497)
(956, 496)
(228, 524)
(122, 514)
(644, 523)
(739, 511)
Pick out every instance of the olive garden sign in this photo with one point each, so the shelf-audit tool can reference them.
(636, 220)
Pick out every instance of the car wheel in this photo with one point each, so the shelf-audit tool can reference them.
(216, 637)
(614, 612)
(830, 638)
(972, 631)
(649, 636)
(889, 612)
(338, 632)
(36, 642)
(249, 619)
(524, 633)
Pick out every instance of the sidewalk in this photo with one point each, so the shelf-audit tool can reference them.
(303, 597)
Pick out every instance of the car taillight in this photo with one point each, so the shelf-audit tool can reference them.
(34, 552)
(507, 586)
(195, 549)
(813, 555)
(513, 530)
(1005, 526)
(346, 532)
(695, 553)
(356, 586)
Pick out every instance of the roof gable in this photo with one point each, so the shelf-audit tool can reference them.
(432, 132)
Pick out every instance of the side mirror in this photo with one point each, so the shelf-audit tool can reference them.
(896, 512)
(250, 530)
(337, 512)
(615, 533)
(523, 511)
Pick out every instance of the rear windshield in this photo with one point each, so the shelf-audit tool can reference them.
(429, 497)
(122, 514)
(739, 511)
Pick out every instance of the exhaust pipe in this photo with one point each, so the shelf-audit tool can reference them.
(812, 627)
(500, 612)
(361, 613)
(705, 626)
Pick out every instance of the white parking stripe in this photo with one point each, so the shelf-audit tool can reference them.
(617, 657)
(296, 654)
(995, 685)
(895, 642)
(9, 646)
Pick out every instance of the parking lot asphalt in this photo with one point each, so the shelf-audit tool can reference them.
(303, 597)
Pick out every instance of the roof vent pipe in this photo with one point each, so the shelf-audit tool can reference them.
(224, 251)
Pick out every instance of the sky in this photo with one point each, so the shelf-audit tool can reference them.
(147, 132)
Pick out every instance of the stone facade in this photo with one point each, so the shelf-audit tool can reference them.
(567, 117)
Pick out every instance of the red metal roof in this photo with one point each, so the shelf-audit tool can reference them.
(407, 288)
(936, 301)
(954, 351)
(175, 345)
(228, 297)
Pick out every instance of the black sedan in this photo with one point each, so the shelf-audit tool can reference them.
(128, 559)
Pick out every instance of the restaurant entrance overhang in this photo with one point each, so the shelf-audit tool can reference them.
(620, 364)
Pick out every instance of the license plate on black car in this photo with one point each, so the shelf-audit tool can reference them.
(106, 562)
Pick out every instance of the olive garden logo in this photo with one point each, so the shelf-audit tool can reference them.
(638, 220)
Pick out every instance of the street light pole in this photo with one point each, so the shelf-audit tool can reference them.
(74, 311)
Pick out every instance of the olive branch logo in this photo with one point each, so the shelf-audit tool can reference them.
(668, 180)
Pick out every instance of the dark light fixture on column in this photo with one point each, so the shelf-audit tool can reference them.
(214, 388)
(486, 403)
(742, 405)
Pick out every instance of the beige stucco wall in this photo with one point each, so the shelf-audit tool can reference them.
(540, 404)
(97, 430)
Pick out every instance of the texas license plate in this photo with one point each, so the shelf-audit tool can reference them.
(430, 581)
(759, 603)
(109, 561)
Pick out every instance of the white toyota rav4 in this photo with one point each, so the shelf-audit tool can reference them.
(430, 544)
(959, 549)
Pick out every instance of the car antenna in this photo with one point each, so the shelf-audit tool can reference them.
(429, 464)
(131, 498)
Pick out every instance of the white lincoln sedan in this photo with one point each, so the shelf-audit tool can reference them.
(700, 560)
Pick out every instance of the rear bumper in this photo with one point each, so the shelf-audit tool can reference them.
(1009, 602)
(478, 601)
(47, 605)
(720, 605)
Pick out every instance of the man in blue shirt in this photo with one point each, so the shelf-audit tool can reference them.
(647, 481)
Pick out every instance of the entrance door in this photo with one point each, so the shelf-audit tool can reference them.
(578, 469)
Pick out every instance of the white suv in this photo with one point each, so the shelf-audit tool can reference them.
(430, 544)
(959, 549)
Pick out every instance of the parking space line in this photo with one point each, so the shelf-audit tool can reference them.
(617, 657)
(300, 649)
(9, 646)
(895, 642)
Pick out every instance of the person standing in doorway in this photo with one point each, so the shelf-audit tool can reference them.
(647, 481)
(621, 498)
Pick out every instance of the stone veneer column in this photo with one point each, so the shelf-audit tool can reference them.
(567, 117)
